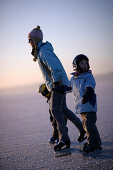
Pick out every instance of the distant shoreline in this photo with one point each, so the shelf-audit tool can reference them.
(104, 77)
(33, 88)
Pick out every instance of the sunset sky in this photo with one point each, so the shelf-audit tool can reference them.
(72, 26)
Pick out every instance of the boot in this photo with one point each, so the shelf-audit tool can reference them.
(62, 145)
(54, 136)
(88, 148)
(53, 140)
(82, 136)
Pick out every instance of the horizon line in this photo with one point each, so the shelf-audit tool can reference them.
(98, 77)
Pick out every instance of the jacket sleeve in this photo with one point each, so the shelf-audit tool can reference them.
(53, 64)
(90, 81)
(89, 94)
(46, 77)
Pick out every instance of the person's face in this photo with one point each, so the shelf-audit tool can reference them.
(31, 42)
(83, 65)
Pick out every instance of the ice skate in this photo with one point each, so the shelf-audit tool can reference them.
(62, 145)
(82, 136)
(87, 148)
(53, 140)
(98, 147)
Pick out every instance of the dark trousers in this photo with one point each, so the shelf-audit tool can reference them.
(89, 125)
(60, 112)
(54, 125)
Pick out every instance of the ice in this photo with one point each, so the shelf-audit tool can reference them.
(25, 130)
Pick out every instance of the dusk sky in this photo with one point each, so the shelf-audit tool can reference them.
(72, 26)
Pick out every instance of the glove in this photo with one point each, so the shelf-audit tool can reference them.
(67, 89)
(89, 93)
(85, 99)
(57, 88)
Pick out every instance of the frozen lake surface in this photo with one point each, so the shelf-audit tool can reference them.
(25, 130)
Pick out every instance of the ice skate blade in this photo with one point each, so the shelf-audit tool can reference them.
(62, 145)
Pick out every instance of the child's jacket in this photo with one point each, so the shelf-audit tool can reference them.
(50, 65)
(78, 87)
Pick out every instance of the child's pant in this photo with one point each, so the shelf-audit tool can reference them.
(89, 125)
(60, 111)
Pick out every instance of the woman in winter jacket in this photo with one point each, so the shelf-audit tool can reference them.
(57, 83)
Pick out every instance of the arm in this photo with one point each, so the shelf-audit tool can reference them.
(53, 64)
(89, 95)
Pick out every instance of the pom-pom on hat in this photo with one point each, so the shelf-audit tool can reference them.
(36, 34)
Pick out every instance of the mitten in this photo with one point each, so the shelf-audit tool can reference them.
(88, 95)
(56, 87)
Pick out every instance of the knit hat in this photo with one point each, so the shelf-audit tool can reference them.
(36, 34)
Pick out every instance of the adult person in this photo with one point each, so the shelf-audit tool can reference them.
(57, 82)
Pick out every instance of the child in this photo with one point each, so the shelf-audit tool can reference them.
(83, 87)
(44, 91)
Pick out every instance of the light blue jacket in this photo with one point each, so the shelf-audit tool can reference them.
(50, 65)
(78, 87)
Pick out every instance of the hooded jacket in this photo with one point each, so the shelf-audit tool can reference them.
(79, 85)
(50, 65)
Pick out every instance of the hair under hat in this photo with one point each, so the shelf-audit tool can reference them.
(36, 34)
